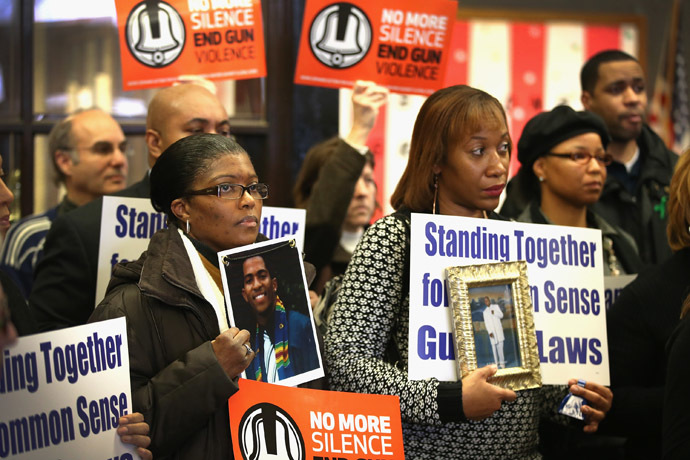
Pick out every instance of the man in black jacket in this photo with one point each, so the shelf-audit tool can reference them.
(636, 190)
(64, 291)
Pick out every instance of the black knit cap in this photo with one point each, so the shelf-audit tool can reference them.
(548, 129)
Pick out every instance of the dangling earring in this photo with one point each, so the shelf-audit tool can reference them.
(433, 208)
(187, 225)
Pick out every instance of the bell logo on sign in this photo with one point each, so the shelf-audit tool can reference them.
(155, 33)
(268, 432)
(340, 35)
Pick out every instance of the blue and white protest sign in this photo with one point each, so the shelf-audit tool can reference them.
(63, 392)
(127, 225)
(565, 273)
(283, 223)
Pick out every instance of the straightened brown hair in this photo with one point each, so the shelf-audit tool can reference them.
(446, 118)
(679, 205)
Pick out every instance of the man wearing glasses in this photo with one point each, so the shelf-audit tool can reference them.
(89, 154)
(64, 292)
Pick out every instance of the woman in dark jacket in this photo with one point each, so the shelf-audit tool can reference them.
(676, 426)
(640, 328)
(184, 360)
(564, 159)
(676, 413)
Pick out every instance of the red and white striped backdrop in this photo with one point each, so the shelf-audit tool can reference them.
(529, 67)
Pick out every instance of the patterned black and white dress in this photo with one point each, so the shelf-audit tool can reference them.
(371, 314)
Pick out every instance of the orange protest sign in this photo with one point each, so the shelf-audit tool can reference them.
(274, 421)
(401, 44)
(213, 39)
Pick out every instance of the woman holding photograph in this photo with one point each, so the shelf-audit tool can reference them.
(184, 359)
(458, 165)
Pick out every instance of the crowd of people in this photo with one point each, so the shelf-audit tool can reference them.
(601, 168)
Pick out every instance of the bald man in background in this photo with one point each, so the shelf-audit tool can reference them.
(64, 288)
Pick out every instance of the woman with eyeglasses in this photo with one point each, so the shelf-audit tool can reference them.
(457, 166)
(563, 153)
(184, 357)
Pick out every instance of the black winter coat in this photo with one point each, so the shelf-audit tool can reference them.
(639, 323)
(643, 213)
(623, 245)
(177, 382)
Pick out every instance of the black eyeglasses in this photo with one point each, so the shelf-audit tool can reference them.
(257, 191)
(582, 158)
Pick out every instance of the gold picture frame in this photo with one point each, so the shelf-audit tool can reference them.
(491, 302)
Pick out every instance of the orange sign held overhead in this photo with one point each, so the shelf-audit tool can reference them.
(402, 44)
(273, 421)
(160, 41)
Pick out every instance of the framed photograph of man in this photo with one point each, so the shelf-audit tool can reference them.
(493, 323)
(266, 292)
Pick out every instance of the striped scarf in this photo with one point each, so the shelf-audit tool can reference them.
(280, 345)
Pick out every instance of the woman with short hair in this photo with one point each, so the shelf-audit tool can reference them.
(336, 186)
(184, 359)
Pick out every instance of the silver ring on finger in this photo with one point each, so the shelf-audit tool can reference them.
(249, 349)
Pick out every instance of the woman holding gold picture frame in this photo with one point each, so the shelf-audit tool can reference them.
(458, 165)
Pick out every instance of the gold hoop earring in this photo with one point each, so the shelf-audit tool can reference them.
(433, 207)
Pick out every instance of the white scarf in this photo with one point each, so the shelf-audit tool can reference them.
(206, 285)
